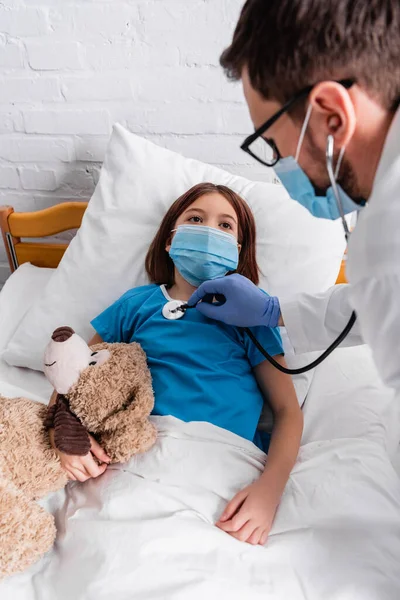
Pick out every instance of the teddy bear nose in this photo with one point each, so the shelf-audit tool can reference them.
(62, 334)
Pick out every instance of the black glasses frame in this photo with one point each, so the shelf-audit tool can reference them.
(347, 83)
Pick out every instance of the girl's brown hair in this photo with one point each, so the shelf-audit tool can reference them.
(159, 265)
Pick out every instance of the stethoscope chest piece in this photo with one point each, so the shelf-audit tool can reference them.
(171, 310)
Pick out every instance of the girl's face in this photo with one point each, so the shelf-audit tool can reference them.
(212, 210)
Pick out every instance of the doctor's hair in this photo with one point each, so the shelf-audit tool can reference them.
(287, 45)
(159, 265)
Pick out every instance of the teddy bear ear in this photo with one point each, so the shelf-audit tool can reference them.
(62, 334)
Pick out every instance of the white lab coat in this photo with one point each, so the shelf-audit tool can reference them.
(373, 271)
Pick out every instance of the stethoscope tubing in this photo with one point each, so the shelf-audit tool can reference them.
(312, 364)
(305, 368)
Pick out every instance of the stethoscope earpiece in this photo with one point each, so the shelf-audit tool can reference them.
(330, 144)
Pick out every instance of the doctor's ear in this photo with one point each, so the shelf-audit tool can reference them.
(239, 247)
(334, 110)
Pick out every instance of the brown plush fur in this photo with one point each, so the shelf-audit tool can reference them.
(112, 400)
(120, 421)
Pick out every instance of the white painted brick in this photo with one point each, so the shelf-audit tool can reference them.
(41, 201)
(196, 117)
(9, 177)
(114, 19)
(129, 112)
(181, 84)
(49, 55)
(201, 32)
(96, 173)
(29, 89)
(106, 55)
(11, 55)
(80, 177)
(207, 148)
(6, 121)
(157, 18)
(19, 148)
(131, 54)
(23, 21)
(38, 179)
(197, 53)
(21, 201)
(76, 121)
(160, 17)
(4, 267)
(99, 87)
(18, 121)
(91, 148)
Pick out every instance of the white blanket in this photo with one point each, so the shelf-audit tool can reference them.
(145, 530)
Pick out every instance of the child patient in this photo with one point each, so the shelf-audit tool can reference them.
(204, 370)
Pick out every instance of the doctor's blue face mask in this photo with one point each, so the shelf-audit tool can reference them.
(201, 253)
(300, 188)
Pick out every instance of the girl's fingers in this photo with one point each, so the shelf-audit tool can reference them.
(264, 538)
(245, 532)
(98, 451)
(233, 506)
(91, 468)
(100, 469)
(236, 523)
(79, 475)
(255, 536)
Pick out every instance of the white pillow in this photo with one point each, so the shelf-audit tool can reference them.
(138, 183)
(19, 292)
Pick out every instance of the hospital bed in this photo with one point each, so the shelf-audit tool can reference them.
(144, 530)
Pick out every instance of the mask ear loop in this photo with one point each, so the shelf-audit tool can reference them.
(303, 132)
(330, 143)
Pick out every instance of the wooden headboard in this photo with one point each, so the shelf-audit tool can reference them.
(44, 223)
(40, 224)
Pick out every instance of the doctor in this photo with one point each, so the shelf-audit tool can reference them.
(322, 82)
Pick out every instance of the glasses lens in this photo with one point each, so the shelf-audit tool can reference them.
(264, 151)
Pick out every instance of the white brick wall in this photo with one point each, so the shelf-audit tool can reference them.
(70, 69)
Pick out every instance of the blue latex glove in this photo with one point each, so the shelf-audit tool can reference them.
(245, 304)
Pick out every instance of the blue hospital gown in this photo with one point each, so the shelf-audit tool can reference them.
(201, 368)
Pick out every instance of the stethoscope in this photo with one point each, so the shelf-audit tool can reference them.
(333, 173)
(176, 309)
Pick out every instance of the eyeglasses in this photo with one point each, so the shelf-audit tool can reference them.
(264, 149)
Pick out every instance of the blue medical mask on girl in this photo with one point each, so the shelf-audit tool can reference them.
(201, 253)
(301, 189)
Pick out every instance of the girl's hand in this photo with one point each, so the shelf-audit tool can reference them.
(81, 468)
(249, 515)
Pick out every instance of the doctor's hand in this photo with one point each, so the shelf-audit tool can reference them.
(245, 305)
(249, 515)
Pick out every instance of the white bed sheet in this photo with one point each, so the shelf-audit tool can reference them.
(348, 400)
(396, 461)
(145, 530)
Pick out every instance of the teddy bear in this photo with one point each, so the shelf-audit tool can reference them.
(105, 390)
